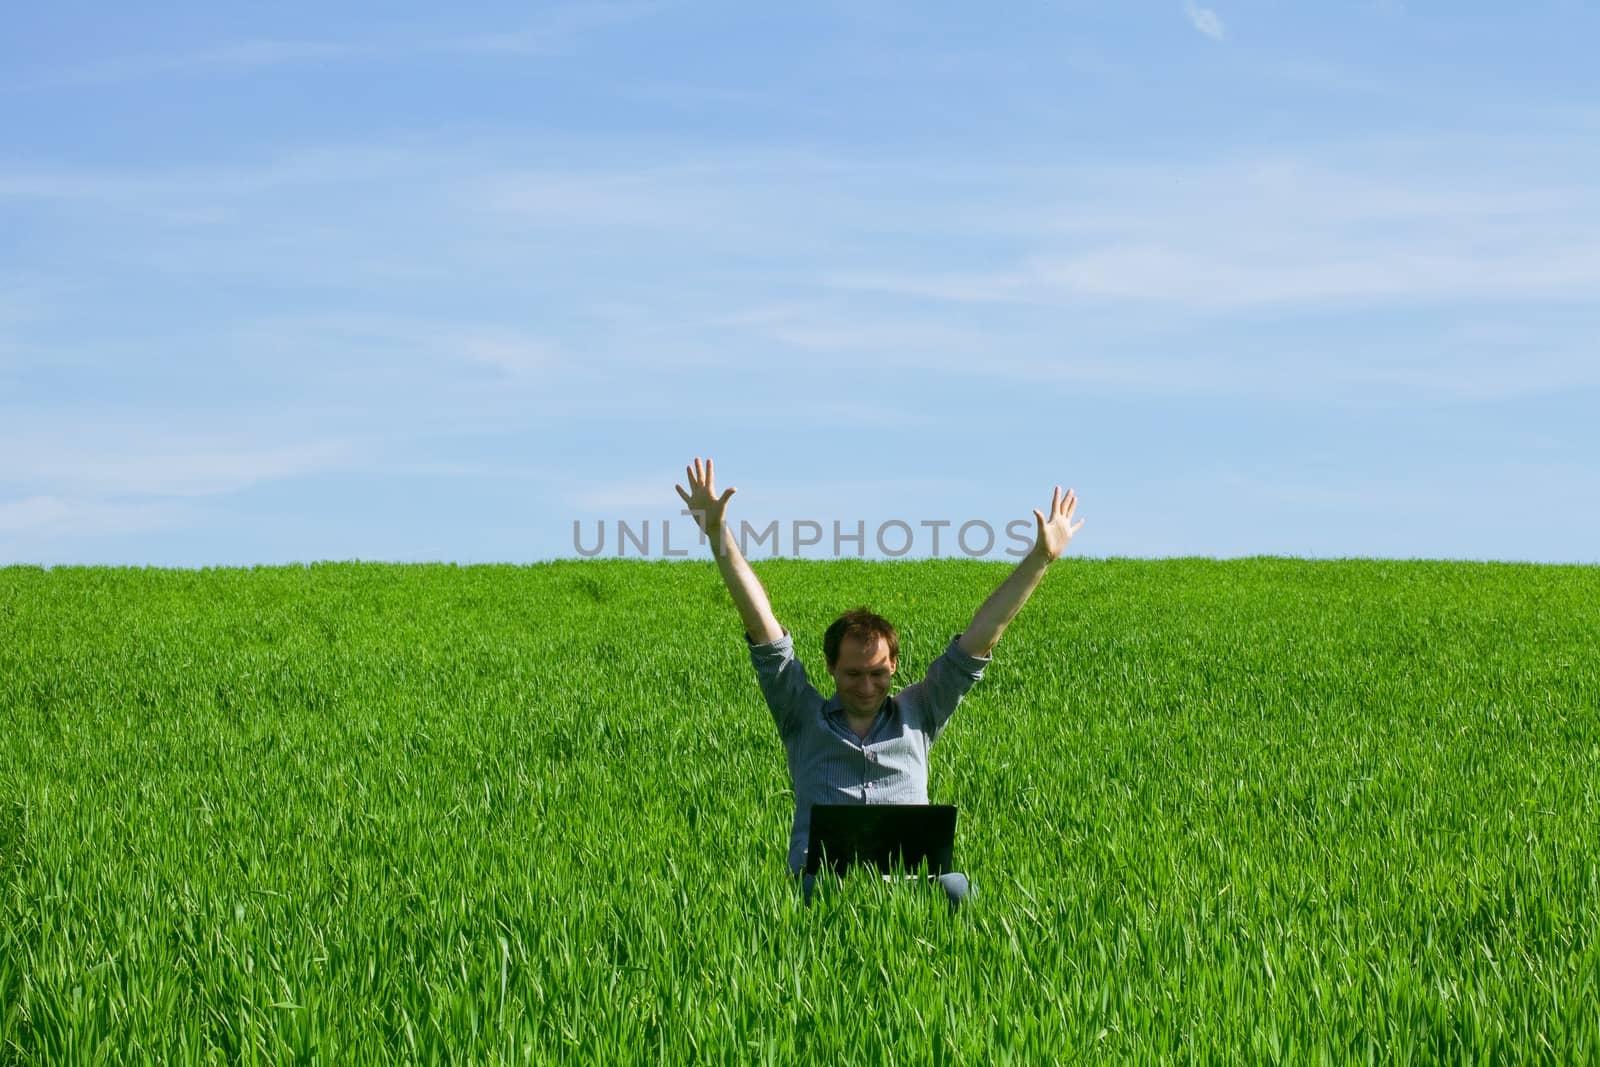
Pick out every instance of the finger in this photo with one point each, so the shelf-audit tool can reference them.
(1070, 504)
(1055, 501)
(698, 477)
(681, 493)
(1039, 517)
(708, 472)
(726, 494)
(1072, 531)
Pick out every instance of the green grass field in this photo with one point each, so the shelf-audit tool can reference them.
(1253, 811)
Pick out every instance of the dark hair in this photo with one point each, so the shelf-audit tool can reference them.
(864, 626)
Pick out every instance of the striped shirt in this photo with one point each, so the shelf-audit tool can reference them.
(828, 763)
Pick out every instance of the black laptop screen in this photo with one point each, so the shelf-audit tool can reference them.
(887, 836)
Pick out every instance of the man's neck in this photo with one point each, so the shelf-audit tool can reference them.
(861, 725)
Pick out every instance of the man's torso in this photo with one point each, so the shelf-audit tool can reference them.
(829, 763)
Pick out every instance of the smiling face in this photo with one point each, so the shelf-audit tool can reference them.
(862, 674)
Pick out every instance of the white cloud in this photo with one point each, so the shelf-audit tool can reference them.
(1325, 76)
(231, 57)
(703, 198)
(1240, 277)
(820, 329)
(1350, 224)
(20, 304)
(507, 351)
(1414, 510)
(81, 516)
(556, 30)
(1205, 20)
(156, 463)
(210, 193)
(638, 497)
(960, 287)
(397, 341)
(1340, 222)
(21, 301)
(628, 265)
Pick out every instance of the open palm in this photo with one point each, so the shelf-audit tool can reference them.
(1056, 531)
(701, 499)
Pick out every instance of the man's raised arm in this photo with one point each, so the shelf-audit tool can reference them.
(748, 595)
(1003, 604)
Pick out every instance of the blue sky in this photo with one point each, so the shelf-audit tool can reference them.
(296, 282)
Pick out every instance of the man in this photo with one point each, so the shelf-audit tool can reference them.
(863, 746)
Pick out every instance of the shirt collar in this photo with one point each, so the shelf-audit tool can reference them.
(834, 708)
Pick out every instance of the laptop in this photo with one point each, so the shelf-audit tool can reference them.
(888, 836)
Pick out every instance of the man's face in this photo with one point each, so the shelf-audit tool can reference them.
(862, 675)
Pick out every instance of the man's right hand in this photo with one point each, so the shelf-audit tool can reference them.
(755, 610)
(702, 499)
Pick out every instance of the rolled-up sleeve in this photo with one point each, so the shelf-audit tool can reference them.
(783, 682)
(947, 681)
